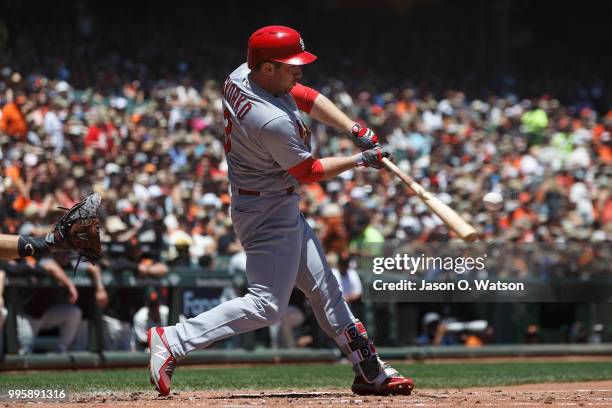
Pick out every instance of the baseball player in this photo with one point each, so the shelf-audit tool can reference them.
(267, 147)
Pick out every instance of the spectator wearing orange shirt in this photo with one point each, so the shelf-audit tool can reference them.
(524, 210)
(13, 121)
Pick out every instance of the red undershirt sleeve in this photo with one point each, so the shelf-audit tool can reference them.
(304, 97)
(308, 171)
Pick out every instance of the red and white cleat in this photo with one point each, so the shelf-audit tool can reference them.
(390, 383)
(161, 361)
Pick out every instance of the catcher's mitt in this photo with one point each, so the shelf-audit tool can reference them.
(79, 229)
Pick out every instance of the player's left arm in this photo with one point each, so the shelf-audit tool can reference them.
(325, 111)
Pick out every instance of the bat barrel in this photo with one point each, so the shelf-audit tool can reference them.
(449, 216)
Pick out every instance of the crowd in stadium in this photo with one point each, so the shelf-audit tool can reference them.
(153, 148)
(156, 156)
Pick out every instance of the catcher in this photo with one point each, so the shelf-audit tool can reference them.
(77, 230)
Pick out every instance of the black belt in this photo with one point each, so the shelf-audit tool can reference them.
(242, 191)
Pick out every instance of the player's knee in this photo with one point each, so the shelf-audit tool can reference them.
(271, 311)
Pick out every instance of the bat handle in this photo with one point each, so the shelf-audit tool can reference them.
(391, 166)
(414, 186)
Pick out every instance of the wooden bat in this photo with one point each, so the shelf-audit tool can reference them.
(446, 214)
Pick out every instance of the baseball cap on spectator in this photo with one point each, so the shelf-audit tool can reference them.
(347, 175)
(33, 211)
(30, 159)
(430, 317)
(180, 238)
(148, 146)
(141, 157)
(27, 228)
(211, 200)
(114, 224)
(171, 222)
(119, 103)
(334, 186)
(143, 178)
(445, 198)
(370, 204)
(111, 168)
(418, 207)
(78, 172)
(155, 191)
(410, 222)
(62, 86)
(404, 165)
(481, 218)
(357, 193)
(124, 205)
(331, 210)
(62, 161)
(598, 236)
(16, 77)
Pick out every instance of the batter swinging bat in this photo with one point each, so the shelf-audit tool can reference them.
(446, 214)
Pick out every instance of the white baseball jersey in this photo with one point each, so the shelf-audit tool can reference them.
(264, 135)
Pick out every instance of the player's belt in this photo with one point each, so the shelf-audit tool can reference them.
(287, 191)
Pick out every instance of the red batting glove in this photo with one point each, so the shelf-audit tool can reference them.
(364, 138)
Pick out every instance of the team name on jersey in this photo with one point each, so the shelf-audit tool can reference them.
(236, 99)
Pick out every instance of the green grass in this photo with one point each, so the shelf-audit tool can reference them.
(313, 377)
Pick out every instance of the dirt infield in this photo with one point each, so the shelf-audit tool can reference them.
(596, 393)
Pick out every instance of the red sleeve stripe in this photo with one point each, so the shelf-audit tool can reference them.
(304, 97)
(308, 171)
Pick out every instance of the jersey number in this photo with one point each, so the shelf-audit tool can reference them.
(227, 143)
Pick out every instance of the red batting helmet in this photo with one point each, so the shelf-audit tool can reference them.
(277, 43)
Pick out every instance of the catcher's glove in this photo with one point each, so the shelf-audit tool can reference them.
(79, 229)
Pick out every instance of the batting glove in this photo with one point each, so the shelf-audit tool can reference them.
(364, 138)
(373, 157)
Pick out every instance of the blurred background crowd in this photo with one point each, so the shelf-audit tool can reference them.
(129, 105)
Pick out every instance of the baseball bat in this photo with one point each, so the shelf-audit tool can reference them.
(446, 214)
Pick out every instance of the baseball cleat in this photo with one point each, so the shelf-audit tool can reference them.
(390, 383)
(161, 361)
